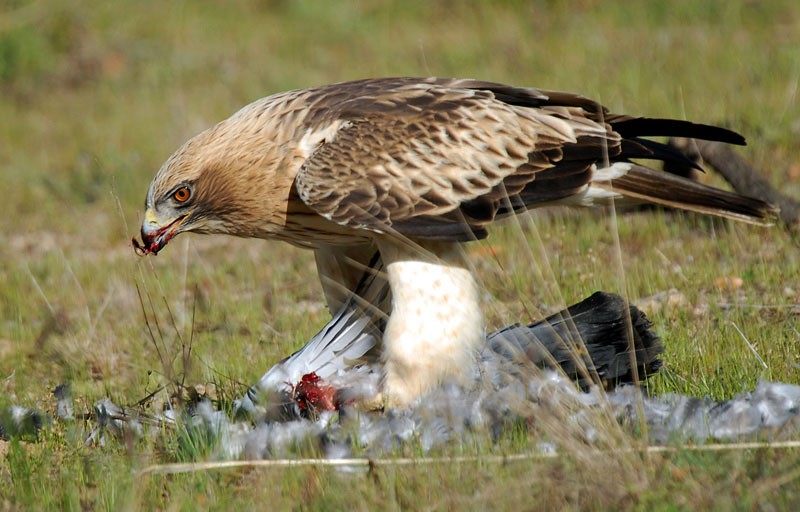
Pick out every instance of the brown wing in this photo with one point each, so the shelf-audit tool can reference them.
(438, 162)
(441, 158)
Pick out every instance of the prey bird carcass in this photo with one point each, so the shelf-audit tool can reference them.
(406, 170)
(600, 340)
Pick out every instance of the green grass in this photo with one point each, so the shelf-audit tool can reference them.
(94, 96)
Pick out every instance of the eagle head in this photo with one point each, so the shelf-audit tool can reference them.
(224, 180)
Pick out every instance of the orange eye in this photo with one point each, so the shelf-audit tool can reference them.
(182, 194)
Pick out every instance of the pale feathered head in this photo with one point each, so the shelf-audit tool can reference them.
(216, 182)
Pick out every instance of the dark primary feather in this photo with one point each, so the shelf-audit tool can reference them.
(677, 192)
(648, 127)
(592, 335)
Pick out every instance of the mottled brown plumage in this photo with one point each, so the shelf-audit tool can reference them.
(409, 167)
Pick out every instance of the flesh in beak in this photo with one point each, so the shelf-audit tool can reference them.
(154, 235)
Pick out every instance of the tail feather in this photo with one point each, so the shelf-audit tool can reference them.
(634, 127)
(652, 150)
(648, 185)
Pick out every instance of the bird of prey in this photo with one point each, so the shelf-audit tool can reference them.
(409, 169)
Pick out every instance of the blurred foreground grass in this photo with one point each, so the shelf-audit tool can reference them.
(94, 96)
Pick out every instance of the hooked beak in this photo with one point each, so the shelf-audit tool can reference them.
(154, 235)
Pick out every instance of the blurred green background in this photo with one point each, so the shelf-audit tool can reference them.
(94, 96)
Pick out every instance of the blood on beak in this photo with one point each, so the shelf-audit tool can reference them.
(155, 238)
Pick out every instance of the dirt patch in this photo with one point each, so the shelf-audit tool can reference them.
(6, 347)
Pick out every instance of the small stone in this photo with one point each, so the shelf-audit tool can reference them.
(701, 310)
(670, 300)
(730, 283)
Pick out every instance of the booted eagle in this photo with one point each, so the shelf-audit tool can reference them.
(409, 169)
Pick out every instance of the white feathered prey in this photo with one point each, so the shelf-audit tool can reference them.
(601, 340)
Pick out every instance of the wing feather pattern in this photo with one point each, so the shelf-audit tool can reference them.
(440, 159)
(436, 162)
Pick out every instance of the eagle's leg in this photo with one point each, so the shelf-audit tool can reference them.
(340, 270)
(436, 322)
